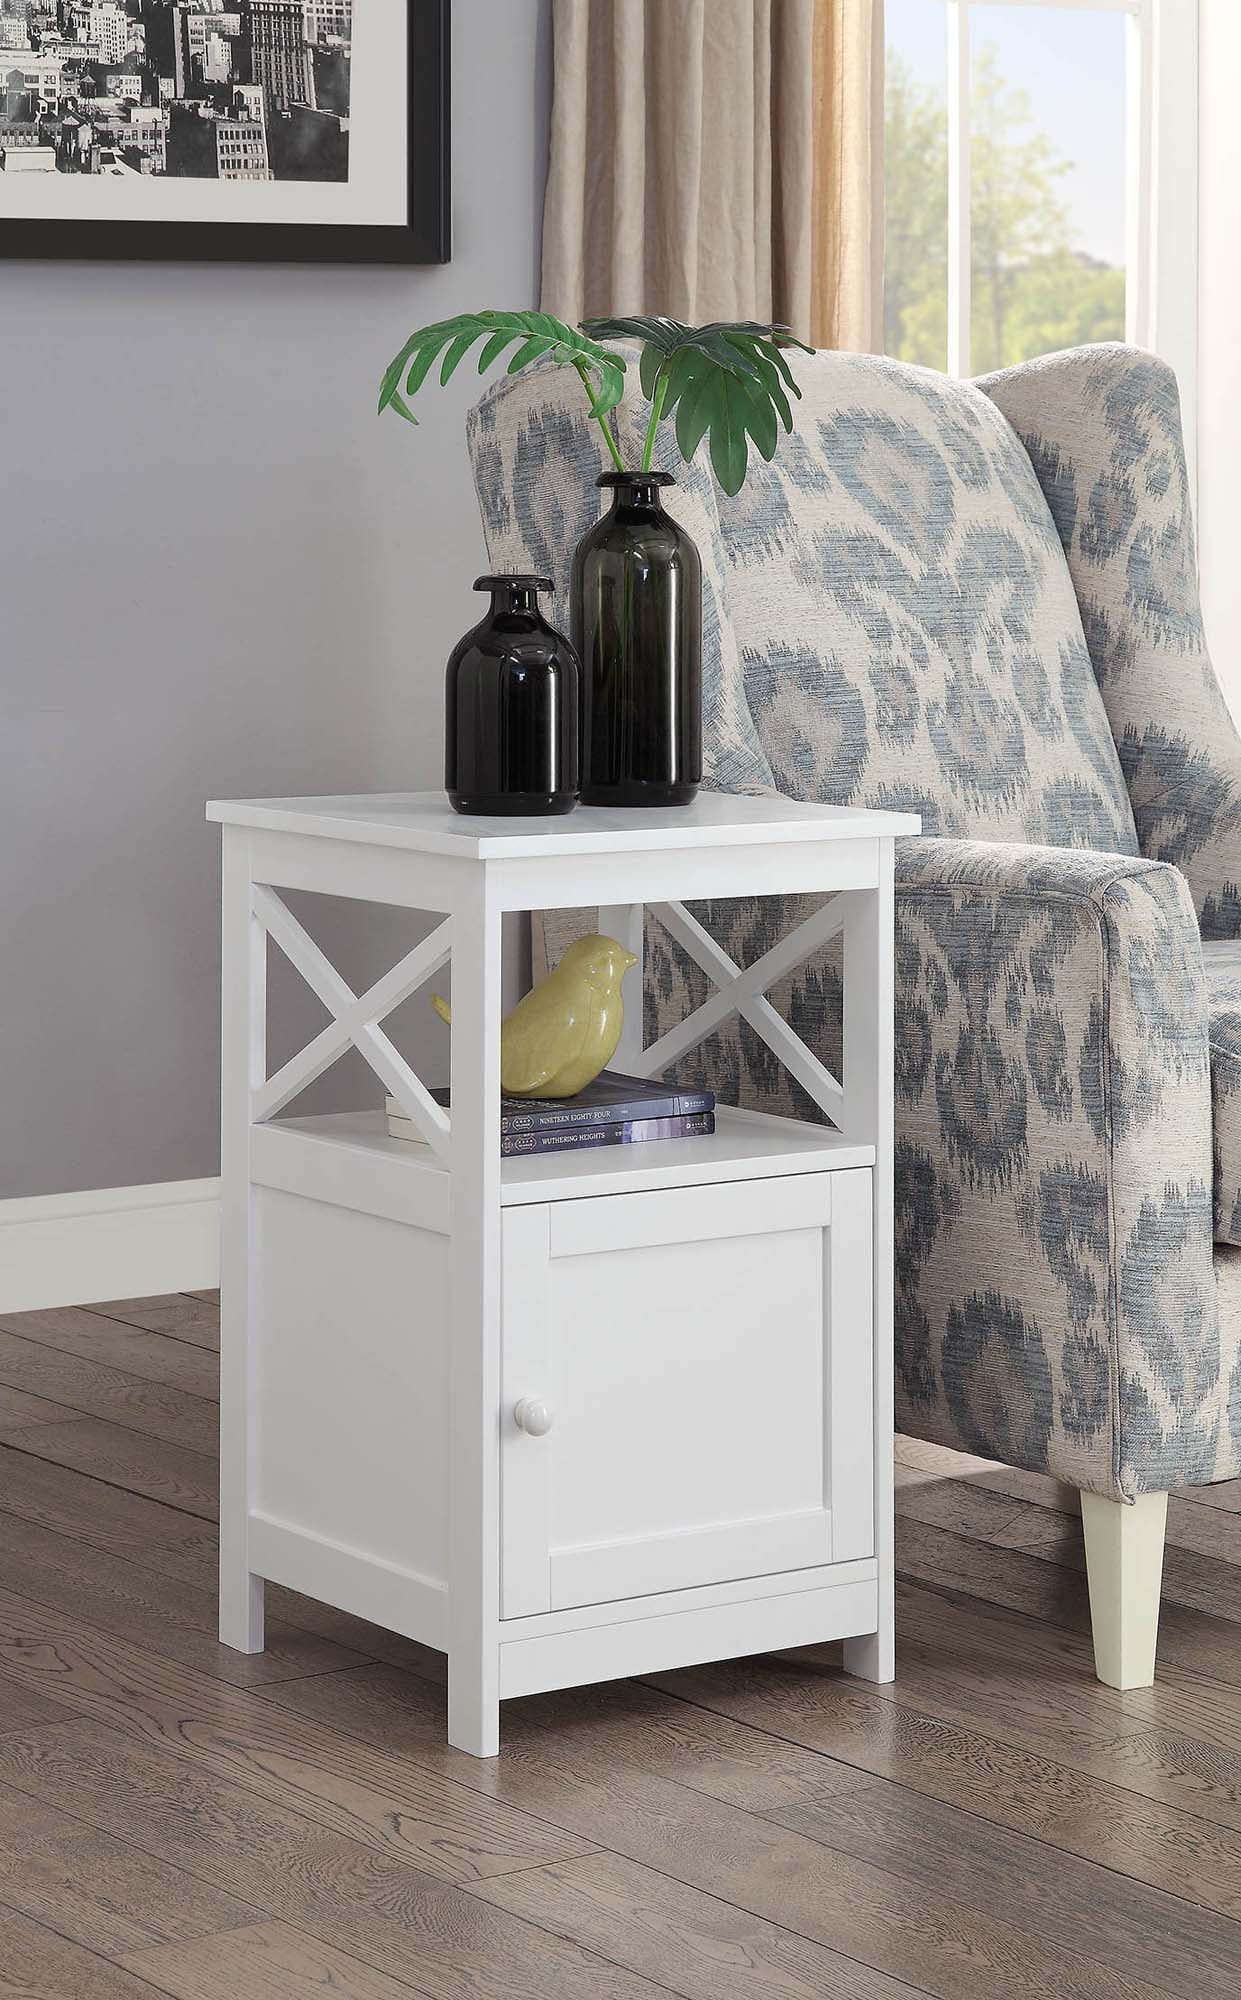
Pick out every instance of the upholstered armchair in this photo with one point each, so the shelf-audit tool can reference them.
(979, 600)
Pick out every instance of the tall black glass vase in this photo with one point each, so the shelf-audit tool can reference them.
(636, 624)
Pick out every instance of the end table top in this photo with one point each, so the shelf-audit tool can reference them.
(424, 822)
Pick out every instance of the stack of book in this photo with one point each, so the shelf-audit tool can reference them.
(612, 1111)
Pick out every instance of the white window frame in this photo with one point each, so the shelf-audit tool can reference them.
(1161, 181)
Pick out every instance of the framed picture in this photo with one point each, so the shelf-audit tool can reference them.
(295, 131)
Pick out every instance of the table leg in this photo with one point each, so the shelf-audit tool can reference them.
(474, 1380)
(243, 1066)
(868, 1057)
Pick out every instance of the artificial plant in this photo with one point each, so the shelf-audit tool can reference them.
(729, 383)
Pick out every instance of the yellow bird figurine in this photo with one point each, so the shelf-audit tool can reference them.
(565, 1030)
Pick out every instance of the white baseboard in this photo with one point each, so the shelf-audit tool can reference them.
(109, 1243)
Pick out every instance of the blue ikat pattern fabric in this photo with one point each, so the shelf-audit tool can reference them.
(977, 601)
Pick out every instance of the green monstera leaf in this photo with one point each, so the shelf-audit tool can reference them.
(538, 334)
(728, 382)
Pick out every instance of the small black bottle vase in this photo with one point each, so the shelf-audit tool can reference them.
(511, 708)
(636, 622)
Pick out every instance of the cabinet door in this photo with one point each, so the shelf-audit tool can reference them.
(693, 1371)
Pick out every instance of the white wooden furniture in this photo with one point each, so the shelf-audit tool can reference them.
(572, 1416)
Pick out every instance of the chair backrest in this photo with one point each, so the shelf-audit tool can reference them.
(1102, 428)
(890, 617)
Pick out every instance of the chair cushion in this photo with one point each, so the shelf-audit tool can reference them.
(888, 615)
(1223, 969)
(907, 625)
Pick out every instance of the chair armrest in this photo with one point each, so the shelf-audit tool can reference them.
(1056, 1299)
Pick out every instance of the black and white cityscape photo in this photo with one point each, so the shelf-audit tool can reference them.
(257, 90)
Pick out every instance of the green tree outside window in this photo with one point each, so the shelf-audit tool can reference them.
(1032, 289)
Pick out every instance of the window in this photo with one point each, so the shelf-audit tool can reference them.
(1040, 179)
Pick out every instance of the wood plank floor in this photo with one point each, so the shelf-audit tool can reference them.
(176, 1819)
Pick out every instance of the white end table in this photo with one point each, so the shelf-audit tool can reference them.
(563, 1417)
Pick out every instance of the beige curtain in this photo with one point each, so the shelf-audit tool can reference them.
(718, 159)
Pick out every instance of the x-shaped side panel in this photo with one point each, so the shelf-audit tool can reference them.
(742, 990)
(355, 1020)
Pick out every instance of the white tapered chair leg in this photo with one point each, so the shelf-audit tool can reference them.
(1124, 1567)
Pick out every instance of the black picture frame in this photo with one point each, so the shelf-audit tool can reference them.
(424, 238)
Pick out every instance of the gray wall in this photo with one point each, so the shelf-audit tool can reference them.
(222, 575)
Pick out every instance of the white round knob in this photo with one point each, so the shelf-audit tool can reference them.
(532, 1417)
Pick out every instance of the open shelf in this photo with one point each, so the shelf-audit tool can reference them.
(746, 1145)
